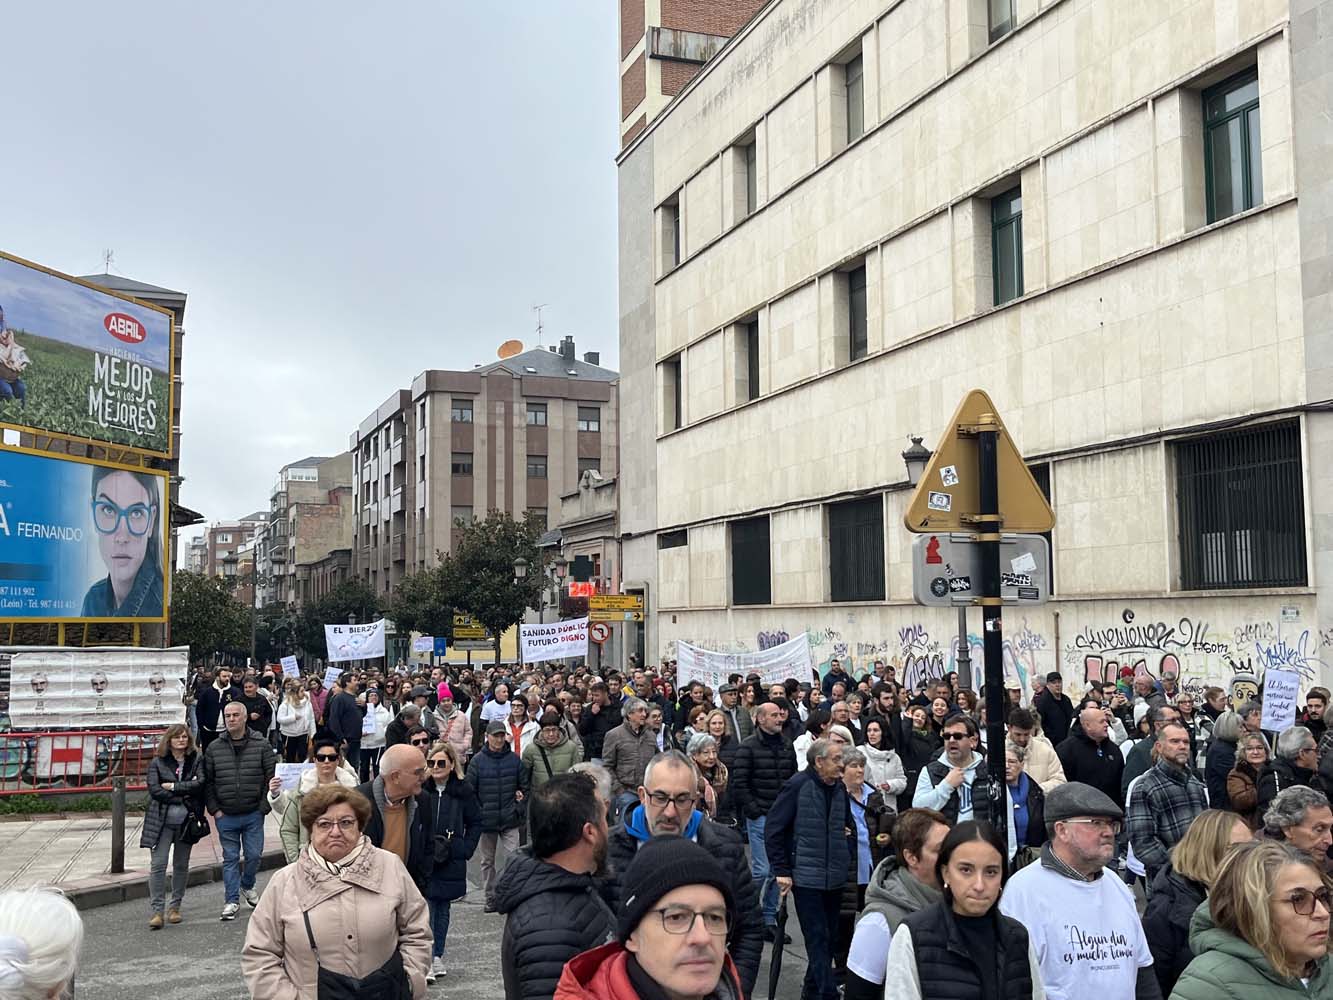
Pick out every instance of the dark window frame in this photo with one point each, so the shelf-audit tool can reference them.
(858, 320)
(751, 561)
(1250, 122)
(460, 463)
(854, 81)
(590, 425)
(856, 550)
(538, 411)
(673, 539)
(457, 409)
(537, 466)
(752, 385)
(1240, 504)
(1007, 227)
(751, 178)
(999, 27)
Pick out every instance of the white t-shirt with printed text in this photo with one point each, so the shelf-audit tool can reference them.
(1087, 935)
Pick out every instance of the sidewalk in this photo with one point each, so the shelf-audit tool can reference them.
(73, 851)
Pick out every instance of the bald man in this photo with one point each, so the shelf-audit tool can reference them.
(396, 824)
(1089, 755)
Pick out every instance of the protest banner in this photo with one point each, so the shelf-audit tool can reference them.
(95, 688)
(290, 668)
(331, 676)
(354, 642)
(554, 641)
(423, 644)
(774, 666)
(290, 774)
(1281, 692)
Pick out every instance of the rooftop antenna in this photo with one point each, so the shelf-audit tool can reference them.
(108, 256)
(538, 311)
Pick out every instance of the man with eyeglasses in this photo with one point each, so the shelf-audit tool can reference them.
(1295, 763)
(668, 807)
(1082, 924)
(1165, 802)
(396, 823)
(1301, 816)
(810, 843)
(671, 934)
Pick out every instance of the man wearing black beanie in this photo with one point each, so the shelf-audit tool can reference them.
(676, 906)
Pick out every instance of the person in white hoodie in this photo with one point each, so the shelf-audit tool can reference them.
(884, 768)
(329, 769)
(956, 783)
(374, 725)
(296, 722)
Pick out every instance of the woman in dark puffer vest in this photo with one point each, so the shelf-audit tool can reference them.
(963, 948)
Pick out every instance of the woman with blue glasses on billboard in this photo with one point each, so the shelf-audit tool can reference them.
(125, 510)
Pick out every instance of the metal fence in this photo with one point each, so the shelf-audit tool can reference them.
(52, 762)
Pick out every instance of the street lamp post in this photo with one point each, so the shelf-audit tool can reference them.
(916, 458)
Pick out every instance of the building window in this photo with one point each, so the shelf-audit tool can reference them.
(1232, 161)
(536, 466)
(858, 333)
(673, 417)
(421, 414)
(672, 251)
(1007, 245)
(589, 465)
(460, 517)
(1001, 18)
(673, 539)
(536, 414)
(750, 583)
(750, 342)
(590, 419)
(1241, 509)
(538, 514)
(856, 550)
(461, 463)
(461, 411)
(751, 177)
(1042, 475)
(856, 100)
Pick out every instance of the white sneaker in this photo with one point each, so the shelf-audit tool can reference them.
(251, 897)
(437, 968)
(229, 911)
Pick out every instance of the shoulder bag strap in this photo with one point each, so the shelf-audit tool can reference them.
(545, 760)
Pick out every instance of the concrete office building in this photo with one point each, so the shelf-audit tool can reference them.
(513, 435)
(1113, 215)
(309, 516)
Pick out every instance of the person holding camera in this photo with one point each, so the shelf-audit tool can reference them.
(453, 820)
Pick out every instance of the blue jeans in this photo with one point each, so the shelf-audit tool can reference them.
(817, 909)
(14, 389)
(439, 924)
(760, 870)
(240, 833)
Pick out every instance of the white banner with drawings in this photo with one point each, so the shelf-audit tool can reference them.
(774, 665)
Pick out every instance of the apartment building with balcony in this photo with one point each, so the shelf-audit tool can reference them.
(317, 490)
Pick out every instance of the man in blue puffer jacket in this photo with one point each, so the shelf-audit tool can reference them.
(496, 775)
(810, 844)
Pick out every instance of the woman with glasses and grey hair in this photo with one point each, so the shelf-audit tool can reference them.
(713, 777)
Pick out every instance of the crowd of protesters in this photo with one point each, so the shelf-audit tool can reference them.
(644, 841)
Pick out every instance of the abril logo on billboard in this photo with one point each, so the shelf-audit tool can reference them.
(125, 328)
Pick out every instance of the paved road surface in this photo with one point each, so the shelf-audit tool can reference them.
(200, 958)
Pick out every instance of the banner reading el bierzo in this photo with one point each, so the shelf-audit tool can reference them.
(82, 362)
(80, 540)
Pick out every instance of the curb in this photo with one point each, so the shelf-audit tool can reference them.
(108, 890)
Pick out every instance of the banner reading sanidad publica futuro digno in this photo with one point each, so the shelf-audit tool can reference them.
(82, 362)
(80, 540)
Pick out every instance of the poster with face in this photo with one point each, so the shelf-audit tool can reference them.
(80, 541)
(107, 688)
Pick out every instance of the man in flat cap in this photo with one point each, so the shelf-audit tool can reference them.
(1083, 924)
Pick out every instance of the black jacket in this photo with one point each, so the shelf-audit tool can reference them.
(1217, 764)
(762, 766)
(1057, 714)
(808, 835)
(1097, 764)
(258, 705)
(495, 777)
(1280, 773)
(420, 856)
(1036, 832)
(947, 970)
(453, 828)
(745, 943)
(551, 915)
(593, 729)
(188, 790)
(209, 703)
(1166, 924)
(342, 717)
(236, 780)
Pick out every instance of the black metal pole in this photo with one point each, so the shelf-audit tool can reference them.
(992, 629)
(118, 825)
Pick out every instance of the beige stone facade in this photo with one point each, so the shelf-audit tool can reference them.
(1142, 330)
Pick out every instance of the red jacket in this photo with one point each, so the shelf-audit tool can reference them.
(600, 974)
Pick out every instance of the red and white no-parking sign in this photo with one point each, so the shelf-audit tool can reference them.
(599, 632)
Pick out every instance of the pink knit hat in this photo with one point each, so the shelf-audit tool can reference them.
(444, 692)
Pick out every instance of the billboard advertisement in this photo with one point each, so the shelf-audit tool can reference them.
(82, 362)
(81, 540)
(54, 688)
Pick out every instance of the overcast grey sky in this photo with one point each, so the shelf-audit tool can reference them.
(349, 193)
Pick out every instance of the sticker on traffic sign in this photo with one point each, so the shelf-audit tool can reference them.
(599, 632)
(1029, 594)
(949, 475)
(939, 501)
(939, 586)
(1015, 580)
(933, 557)
(960, 584)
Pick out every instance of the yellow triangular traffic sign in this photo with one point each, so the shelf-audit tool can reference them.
(948, 496)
